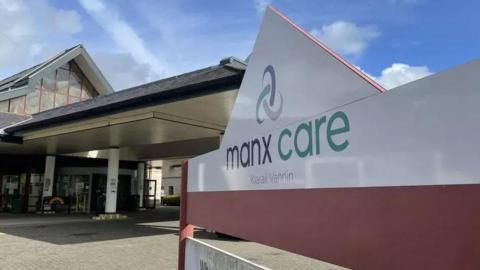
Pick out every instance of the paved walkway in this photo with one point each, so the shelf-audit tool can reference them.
(7, 220)
(147, 240)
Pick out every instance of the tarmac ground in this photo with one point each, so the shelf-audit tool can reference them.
(146, 240)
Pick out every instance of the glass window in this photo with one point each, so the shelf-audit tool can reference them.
(62, 81)
(73, 99)
(35, 192)
(91, 90)
(79, 200)
(85, 95)
(63, 186)
(87, 90)
(12, 183)
(17, 105)
(75, 85)
(66, 66)
(60, 100)
(38, 84)
(4, 106)
(47, 100)
(49, 82)
(23, 183)
(75, 190)
(69, 85)
(33, 102)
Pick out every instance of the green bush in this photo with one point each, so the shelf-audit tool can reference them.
(172, 200)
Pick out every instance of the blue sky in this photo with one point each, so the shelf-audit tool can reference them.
(134, 42)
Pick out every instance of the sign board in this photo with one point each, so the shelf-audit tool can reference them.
(317, 159)
(283, 119)
(202, 256)
(305, 120)
(113, 185)
(47, 187)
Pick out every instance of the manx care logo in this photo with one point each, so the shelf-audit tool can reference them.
(268, 97)
(305, 139)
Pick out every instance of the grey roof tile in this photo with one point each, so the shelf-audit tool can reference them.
(8, 119)
(223, 74)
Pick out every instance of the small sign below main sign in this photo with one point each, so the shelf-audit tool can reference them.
(202, 256)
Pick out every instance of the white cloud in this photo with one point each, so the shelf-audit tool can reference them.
(345, 37)
(125, 37)
(398, 74)
(179, 40)
(68, 21)
(121, 70)
(187, 40)
(261, 5)
(33, 31)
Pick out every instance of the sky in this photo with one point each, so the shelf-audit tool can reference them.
(138, 41)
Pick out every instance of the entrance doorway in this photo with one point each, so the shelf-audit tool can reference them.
(99, 191)
(124, 195)
(11, 193)
(35, 192)
(73, 191)
(149, 197)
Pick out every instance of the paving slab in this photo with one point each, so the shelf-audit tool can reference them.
(146, 240)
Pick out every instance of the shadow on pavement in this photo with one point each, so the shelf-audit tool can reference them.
(202, 234)
(139, 224)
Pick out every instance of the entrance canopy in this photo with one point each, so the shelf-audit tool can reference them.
(175, 117)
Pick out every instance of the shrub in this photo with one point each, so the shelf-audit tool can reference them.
(172, 200)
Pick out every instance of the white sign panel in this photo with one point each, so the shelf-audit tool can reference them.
(290, 77)
(202, 256)
(47, 187)
(332, 128)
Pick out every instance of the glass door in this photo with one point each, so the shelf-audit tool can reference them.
(35, 192)
(79, 195)
(74, 190)
(11, 198)
(60, 202)
(99, 186)
(150, 190)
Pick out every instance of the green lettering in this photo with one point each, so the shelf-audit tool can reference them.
(308, 129)
(285, 132)
(318, 123)
(332, 132)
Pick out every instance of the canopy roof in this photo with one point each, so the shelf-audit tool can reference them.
(183, 115)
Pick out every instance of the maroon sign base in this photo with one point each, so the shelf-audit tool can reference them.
(422, 227)
(186, 230)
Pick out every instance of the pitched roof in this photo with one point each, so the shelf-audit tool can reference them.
(225, 76)
(8, 119)
(21, 78)
(8, 82)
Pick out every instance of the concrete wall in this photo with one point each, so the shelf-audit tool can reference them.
(171, 175)
(154, 172)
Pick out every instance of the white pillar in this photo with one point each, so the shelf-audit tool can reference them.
(48, 176)
(140, 182)
(112, 181)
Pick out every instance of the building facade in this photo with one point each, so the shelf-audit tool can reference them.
(70, 144)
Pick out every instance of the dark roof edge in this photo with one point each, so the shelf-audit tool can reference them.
(175, 94)
(11, 139)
